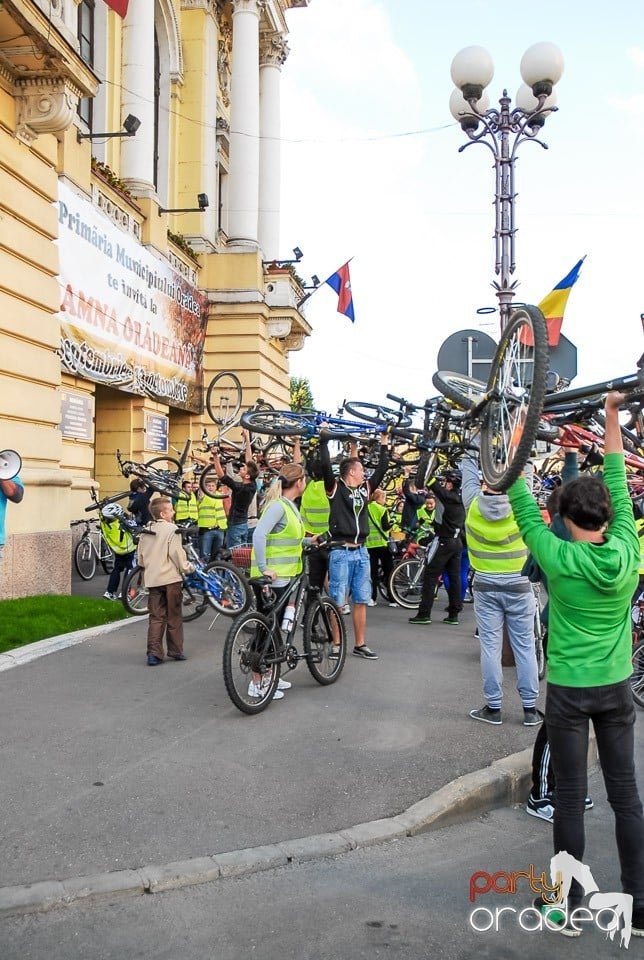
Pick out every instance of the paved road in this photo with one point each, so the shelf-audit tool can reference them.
(406, 899)
(107, 763)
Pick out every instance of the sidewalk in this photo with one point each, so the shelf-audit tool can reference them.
(109, 765)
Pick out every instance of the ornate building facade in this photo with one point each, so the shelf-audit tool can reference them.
(139, 234)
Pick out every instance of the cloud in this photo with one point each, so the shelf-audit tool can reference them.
(636, 56)
(631, 105)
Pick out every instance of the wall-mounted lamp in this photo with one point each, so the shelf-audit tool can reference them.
(315, 282)
(130, 125)
(278, 263)
(202, 200)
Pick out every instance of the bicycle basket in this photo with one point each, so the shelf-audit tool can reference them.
(240, 556)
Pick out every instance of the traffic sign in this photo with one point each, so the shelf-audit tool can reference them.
(563, 359)
(469, 352)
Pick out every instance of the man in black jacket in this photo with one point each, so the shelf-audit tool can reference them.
(349, 568)
(448, 523)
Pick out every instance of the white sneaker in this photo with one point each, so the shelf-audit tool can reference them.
(109, 596)
(346, 609)
(393, 604)
(372, 603)
(255, 690)
(284, 685)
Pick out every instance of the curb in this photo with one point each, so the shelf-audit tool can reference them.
(33, 651)
(503, 783)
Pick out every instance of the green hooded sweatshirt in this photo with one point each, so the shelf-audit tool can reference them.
(590, 587)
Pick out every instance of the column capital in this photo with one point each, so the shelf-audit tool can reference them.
(273, 49)
(249, 6)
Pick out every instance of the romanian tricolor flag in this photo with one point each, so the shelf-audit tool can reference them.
(554, 305)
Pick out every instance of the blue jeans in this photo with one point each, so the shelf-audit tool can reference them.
(209, 542)
(492, 609)
(237, 534)
(350, 570)
(611, 709)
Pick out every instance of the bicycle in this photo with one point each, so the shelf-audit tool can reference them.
(259, 641)
(163, 474)
(91, 549)
(637, 659)
(540, 632)
(217, 584)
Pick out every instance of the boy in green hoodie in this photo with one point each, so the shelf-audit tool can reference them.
(591, 580)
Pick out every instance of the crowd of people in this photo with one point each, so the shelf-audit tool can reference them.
(587, 550)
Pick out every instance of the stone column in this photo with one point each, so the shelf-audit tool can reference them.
(272, 54)
(137, 97)
(243, 180)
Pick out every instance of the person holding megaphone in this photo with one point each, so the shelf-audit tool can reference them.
(11, 487)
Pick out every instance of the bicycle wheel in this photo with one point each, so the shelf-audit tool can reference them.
(107, 556)
(85, 558)
(637, 677)
(406, 583)
(324, 640)
(250, 662)
(517, 387)
(277, 423)
(134, 595)
(464, 391)
(227, 591)
(539, 634)
(223, 398)
(376, 413)
(276, 453)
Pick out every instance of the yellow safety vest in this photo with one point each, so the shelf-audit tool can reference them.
(212, 513)
(120, 540)
(186, 509)
(640, 532)
(375, 537)
(494, 546)
(315, 508)
(425, 518)
(283, 549)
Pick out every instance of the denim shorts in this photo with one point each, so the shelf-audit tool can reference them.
(350, 570)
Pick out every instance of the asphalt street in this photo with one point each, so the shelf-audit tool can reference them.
(408, 898)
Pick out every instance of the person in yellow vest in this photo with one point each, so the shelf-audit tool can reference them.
(277, 546)
(119, 538)
(377, 544)
(426, 515)
(502, 595)
(212, 521)
(187, 509)
(314, 510)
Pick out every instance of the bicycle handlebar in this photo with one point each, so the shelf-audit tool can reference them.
(101, 503)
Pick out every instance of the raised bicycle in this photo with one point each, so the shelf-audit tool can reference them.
(260, 642)
(163, 474)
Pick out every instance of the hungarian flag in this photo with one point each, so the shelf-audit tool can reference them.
(340, 281)
(553, 307)
(118, 6)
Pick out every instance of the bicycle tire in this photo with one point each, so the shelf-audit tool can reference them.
(107, 556)
(232, 595)
(322, 618)
(85, 558)
(517, 386)
(277, 423)
(164, 479)
(406, 581)
(250, 647)
(539, 633)
(134, 597)
(637, 677)
(464, 391)
(276, 453)
(224, 398)
(376, 413)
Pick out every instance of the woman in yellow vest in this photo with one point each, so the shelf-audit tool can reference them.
(277, 545)
(119, 538)
(212, 521)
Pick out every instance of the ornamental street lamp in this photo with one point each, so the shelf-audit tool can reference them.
(503, 129)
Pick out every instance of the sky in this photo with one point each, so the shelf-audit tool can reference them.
(371, 171)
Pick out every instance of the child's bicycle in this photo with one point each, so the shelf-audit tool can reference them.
(260, 642)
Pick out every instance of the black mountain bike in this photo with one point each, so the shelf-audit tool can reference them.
(260, 642)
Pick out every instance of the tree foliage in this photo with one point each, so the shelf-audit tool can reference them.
(301, 395)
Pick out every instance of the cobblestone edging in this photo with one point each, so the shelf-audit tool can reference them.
(504, 782)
